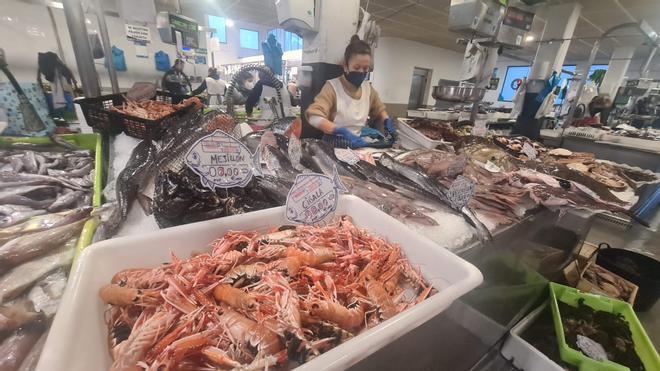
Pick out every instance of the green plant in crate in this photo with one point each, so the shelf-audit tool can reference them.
(572, 297)
(91, 142)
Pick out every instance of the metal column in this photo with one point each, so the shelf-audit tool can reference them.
(75, 20)
(107, 49)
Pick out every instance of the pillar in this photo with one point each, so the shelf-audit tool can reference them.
(75, 21)
(560, 24)
(617, 69)
(323, 52)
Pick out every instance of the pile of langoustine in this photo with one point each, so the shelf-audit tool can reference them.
(259, 300)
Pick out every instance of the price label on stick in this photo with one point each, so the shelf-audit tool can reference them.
(222, 161)
(528, 151)
(460, 192)
(313, 197)
(591, 348)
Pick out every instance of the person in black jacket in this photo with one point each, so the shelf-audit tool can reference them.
(175, 81)
(255, 94)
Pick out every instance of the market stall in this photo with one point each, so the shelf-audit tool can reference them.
(188, 235)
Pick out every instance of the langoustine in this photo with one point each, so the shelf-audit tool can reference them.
(257, 300)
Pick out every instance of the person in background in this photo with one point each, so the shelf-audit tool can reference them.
(214, 87)
(292, 88)
(255, 94)
(176, 82)
(345, 103)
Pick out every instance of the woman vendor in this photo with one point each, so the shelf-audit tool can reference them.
(344, 105)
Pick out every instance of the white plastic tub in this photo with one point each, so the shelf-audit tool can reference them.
(442, 115)
(415, 136)
(416, 113)
(78, 338)
(522, 353)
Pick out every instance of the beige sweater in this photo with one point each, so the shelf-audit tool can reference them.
(325, 103)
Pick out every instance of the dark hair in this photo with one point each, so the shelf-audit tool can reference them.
(177, 61)
(355, 47)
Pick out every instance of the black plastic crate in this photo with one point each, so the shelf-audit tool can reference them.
(98, 116)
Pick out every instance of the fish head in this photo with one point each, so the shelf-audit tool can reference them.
(193, 158)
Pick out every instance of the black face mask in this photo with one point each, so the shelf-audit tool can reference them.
(355, 77)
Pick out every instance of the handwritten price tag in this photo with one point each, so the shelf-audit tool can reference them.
(222, 161)
(313, 197)
(460, 192)
(528, 151)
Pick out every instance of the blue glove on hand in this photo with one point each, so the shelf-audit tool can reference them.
(389, 126)
(353, 140)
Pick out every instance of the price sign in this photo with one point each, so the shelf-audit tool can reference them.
(313, 197)
(460, 192)
(529, 151)
(591, 348)
(138, 33)
(222, 161)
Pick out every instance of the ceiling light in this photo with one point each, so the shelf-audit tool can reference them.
(56, 4)
(530, 38)
(229, 23)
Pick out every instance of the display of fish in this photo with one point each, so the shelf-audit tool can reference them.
(14, 214)
(132, 177)
(14, 282)
(26, 247)
(43, 222)
(17, 346)
(17, 314)
(438, 191)
(32, 358)
(45, 295)
(388, 201)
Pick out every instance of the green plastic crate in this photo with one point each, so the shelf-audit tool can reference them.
(90, 142)
(643, 345)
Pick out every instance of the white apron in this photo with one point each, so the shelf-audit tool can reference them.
(351, 113)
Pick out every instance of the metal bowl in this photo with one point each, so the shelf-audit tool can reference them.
(458, 93)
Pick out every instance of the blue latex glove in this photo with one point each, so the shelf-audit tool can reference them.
(353, 140)
(371, 133)
(389, 126)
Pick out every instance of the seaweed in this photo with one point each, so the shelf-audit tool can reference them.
(609, 330)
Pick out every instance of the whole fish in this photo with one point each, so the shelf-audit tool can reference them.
(15, 281)
(17, 314)
(45, 295)
(26, 247)
(66, 200)
(17, 214)
(16, 164)
(32, 359)
(44, 222)
(131, 178)
(314, 153)
(16, 347)
(435, 189)
(8, 180)
(277, 162)
(82, 171)
(35, 191)
(253, 140)
(26, 201)
(275, 188)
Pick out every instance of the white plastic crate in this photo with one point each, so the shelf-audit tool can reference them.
(414, 136)
(442, 115)
(78, 337)
(523, 354)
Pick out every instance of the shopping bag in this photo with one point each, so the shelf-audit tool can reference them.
(162, 61)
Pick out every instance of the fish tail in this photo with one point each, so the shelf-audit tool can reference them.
(337, 182)
(482, 232)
